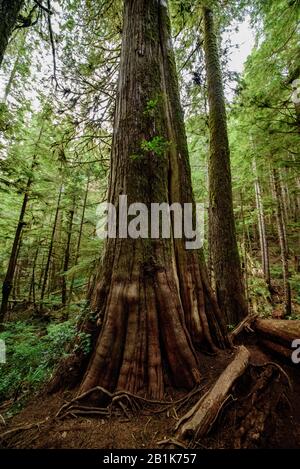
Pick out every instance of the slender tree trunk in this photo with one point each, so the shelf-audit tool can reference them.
(283, 246)
(210, 266)
(151, 298)
(32, 294)
(226, 261)
(14, 289)
(8, 280)
(284, 212)
(297, 112)
(15, 68)
(67, 255)
(244, 248)
(296, 192)
(9, 11)
(50, 251)
(262, 228)
(285, 195)
(77, 254)
(18, 272)
(42, 270)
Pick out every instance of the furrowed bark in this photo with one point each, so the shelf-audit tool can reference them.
(9, 11)
(150, 297)
(225, 255)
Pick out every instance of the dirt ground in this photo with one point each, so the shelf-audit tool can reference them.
(147, 427)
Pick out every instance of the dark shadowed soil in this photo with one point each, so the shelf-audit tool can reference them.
(147, 427)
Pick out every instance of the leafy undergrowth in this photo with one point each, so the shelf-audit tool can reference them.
(270, 304)
(32, 352)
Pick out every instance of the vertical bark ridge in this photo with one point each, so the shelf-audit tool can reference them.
(148, 292)
(224, 250)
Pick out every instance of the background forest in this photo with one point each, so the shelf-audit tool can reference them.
(58, 88)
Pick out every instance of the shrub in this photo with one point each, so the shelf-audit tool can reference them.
(33, 352)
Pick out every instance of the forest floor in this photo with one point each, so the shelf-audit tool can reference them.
(38, 427)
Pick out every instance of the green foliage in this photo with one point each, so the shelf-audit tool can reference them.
(32, 352)
(152, 106)
(135, 157)
(5, 117)
(68, 131)
(295, 285)
(157, 145)
(260, 296)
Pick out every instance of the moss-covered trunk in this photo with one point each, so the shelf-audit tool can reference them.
(9, 11)
(225, 255)
(152, 298)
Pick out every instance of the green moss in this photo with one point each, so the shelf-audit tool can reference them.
(157, 145)
(152, 106)
(135, 157)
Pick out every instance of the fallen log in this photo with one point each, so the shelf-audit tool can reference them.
(255, 417)
(278, 349)
(279, 330)
(198, 421)
(277, 335)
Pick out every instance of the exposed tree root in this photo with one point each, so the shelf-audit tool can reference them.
(256, 417)
(253, 396)
(20, 428)
(245, 400)
(123, 400)
(200, 418)
(172, 443)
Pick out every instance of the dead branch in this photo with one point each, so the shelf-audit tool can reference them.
(245, 324)
(198, 421)
(22, 428)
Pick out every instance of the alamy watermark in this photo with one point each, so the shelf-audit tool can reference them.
(296, 353)
(160, 220)
(2, 351)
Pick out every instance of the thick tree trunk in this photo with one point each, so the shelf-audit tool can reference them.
(9, 11)
(262, 228)
(226, 261)
(151, 297)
